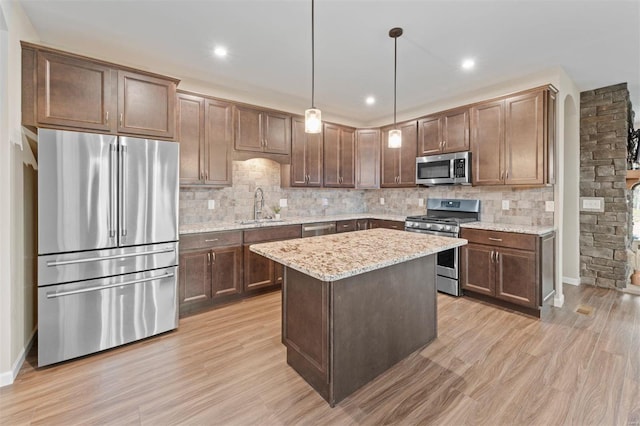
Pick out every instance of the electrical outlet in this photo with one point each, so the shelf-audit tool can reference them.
(283, 202)
(549, 206)
(381, 200)
(212, 204)
(325, 202)
(420, 202)
(505, 204)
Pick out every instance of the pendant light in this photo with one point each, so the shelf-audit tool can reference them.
(312, 116)
(395, 135)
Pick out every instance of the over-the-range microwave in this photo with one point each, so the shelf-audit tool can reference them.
(444, 169)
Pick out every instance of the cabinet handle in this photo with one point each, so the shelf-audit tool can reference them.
(211, 240)
(106, 117)
(345, 226)
(495, 239)
(213, 256)
(266, 143)
(206, 175)
(492, 256)
(497, 257)
(208, 258)
(507, 174)
(121, 118)
(501, 174)
(201, 175)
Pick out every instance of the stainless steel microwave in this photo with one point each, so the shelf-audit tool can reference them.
(444, 169)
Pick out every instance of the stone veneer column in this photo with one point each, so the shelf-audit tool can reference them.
(604, 236)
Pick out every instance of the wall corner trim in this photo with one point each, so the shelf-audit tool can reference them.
(558, 300)
(7, 378)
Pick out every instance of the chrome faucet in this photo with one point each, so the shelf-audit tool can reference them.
(258, 203)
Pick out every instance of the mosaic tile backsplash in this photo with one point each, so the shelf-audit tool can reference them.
(527, 206)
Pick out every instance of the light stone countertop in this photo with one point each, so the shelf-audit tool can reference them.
(505, 227)
(233, 226)
(337, 256)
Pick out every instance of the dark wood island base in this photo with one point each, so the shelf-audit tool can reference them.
(342, 334)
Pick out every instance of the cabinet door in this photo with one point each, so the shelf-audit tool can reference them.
(248, 129)
(390, 161)
(277, 133)
(331, 155)
(314, 158)
(191, 138)
(146, 105)
(75, 93)
(195, 277)
(455, 131)
(218, 136)
(407, 169)
(429, 136)
(516, 276)
(346, 225)
(478, 269)
(487, 142)
(347, 157)
(298, 153)
(524, 139)
(367, 159)
(226, 271)
(258, 270)
(362, 224)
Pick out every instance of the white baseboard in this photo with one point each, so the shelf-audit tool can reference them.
(572, 281)
(8, 377)
(558, 300)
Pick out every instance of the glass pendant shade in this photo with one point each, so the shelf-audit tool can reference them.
(312, 121)
(395, 138)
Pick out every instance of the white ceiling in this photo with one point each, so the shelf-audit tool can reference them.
(596, 42)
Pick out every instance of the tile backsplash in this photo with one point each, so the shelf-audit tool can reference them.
(526, 206)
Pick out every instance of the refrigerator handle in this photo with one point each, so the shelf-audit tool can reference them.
(114, 191)
(123, 189)
(53, 295)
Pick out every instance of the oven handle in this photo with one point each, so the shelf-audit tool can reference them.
(436, 233)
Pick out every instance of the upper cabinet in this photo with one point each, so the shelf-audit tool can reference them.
(306, 157)
(513, 139)
(205, 135)
(444, 132)
(67, 91)
(367, 158)
(261, 130)
(399, 164)
(339, 156)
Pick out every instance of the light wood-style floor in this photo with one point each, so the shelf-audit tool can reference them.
(488, 366)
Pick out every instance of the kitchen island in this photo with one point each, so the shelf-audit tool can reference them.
(355, 304)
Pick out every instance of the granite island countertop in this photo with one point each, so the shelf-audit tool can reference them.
(240, 225)
(505, 227)
(337, 256)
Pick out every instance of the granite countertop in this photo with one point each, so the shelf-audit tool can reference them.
(232, 226)
(337, 256)
(505, 227)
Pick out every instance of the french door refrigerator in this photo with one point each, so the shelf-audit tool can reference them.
(107, 241)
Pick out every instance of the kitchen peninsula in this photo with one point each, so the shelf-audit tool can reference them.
(355, 304)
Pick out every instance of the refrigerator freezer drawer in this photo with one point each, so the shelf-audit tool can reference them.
(86, 265)
(81, 318)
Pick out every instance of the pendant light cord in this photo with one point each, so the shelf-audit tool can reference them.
(313, 56)
(395, 77)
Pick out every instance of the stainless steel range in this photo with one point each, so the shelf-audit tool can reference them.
(444, 217)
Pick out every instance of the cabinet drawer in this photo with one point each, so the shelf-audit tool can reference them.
(501, 239)
(210, 239)
(272, 233)
(345, 225)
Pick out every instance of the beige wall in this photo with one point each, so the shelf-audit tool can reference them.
(17, 303)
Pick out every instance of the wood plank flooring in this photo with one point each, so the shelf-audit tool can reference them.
(488, 366)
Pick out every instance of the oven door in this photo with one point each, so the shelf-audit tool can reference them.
(447, 262)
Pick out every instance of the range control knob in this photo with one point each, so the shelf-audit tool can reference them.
(447, 228)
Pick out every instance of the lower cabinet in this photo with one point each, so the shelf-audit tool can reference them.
(389, 224)
(210, 269)
(510, 267)
(260, 272)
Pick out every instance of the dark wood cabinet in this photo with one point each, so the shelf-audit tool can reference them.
(444, 132)
(68, 91)
(306, 157)
(513, 139)
(399, 164)
(389, 224)
(261, 130)
(205, 134)
(514, 268)
(210, 269)
(346, 225)
(260, 272)
(362, 224)
(339, 156)
(367, 158)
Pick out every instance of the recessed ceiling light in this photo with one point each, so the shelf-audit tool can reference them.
(370, 100)
(220, 51)
(468, 64)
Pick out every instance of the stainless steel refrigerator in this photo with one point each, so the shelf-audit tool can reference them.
(107, 241)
